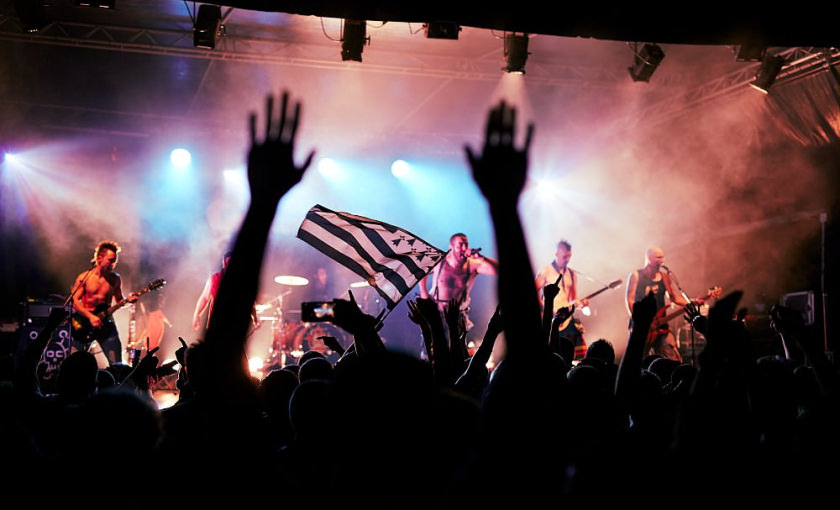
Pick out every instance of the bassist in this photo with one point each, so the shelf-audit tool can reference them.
(654, 278)
(94, 291)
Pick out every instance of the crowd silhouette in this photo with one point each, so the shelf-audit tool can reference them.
(384, 429)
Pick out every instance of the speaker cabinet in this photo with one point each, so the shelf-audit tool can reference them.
(34, 319)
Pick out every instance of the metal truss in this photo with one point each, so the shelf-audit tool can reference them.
(179, 43)
(801, 62)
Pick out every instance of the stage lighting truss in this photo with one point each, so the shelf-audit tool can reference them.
(102, 4)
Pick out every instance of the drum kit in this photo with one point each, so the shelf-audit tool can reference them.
(290, 339)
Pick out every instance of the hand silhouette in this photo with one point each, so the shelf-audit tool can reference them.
(501, 169)
(551, 290)
(267, 182)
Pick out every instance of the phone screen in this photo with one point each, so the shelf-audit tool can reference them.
(316, 311)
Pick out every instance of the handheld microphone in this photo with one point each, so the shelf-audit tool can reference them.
(93, 263)
(474, 252)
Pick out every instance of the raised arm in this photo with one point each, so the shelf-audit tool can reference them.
(500, 171)
(272, 172)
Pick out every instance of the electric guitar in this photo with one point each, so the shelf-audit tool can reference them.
(85, 333)
(613, 284)
(659, 326)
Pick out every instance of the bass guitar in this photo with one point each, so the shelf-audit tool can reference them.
(84, 332)
(659, 326)
(613, 284)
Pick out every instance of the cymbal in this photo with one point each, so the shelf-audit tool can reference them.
(362, 283)
(296, 281)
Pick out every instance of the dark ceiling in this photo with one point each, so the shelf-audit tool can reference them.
(725, 23)
(709, 23)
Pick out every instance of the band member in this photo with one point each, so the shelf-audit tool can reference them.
(454, 276)
(568, 295)
(654, 278)
(155, 322)
(208, 296)
(94, 292)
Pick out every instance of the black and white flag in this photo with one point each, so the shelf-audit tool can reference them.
(390, 259)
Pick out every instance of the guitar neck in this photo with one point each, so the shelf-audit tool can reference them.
(595, 293)
(606, 288)
(673, 315)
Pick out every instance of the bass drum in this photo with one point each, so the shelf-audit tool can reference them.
(307, 337)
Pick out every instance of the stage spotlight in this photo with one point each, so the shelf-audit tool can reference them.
(31, 14)
(750, 52)
(516, 53)
(399, 168)
(645, 62)
(328, 167)
(208, 26)
(441, 30)
(180, 158)
(767, 73)
(353, 39)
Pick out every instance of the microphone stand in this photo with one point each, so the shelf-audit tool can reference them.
(685, 296)
(75, 289)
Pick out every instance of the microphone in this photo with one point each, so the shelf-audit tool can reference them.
(93, 263)
(663, 266)
(474, 252)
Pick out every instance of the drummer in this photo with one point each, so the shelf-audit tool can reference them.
(321, 286)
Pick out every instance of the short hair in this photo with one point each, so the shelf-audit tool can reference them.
(106, 245)
(457, 234)
(563, 242)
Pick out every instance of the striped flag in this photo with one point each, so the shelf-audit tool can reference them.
(389, 258)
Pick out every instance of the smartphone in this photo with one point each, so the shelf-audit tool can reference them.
(317, 311)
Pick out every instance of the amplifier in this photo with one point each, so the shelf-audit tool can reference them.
(34, 319)
(803, 302)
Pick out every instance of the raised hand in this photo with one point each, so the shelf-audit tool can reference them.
(271, 168)
(693, 316)
(786, 320)
(551, 290)
(494, 325)
(501, 169)
(351, 318)
(332, 343)
(562, 314)
(180, 351)
(415, 313)
(454, 318)
(57, 315)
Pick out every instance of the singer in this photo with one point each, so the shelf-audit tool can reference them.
(454, 276)
(654, 277)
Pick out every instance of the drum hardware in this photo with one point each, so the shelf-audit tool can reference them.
(291, 280)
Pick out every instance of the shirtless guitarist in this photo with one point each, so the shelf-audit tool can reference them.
(94, 290)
